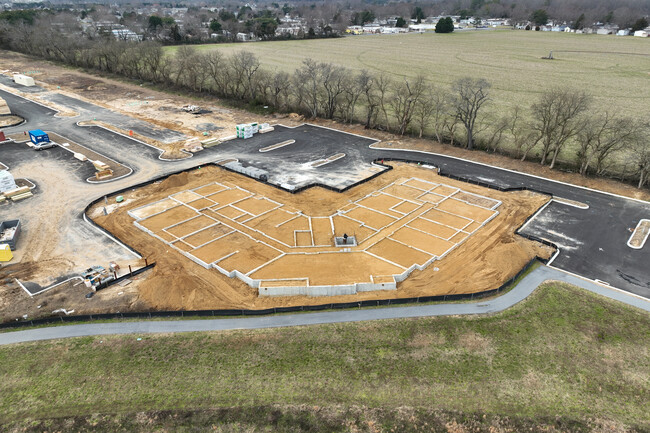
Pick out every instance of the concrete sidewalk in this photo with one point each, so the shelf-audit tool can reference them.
(525, 287)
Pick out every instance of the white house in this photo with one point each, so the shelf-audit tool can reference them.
(641, 33)
(422, 27)
(624, 32)
(245, 37)
(125, 35)
(604, 31)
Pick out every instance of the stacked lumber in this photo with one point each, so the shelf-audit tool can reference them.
(211, 142)
(103, 174)
(21, 196)
(16, 194)
(16, 191)
(193, 145)
(100, 165)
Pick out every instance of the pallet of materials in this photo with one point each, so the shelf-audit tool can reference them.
(16, 192)
(100, 165)
(211, 142)
(103, 174)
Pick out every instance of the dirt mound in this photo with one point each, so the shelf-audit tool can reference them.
(175, 181)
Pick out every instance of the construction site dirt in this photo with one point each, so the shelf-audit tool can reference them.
(484, 261)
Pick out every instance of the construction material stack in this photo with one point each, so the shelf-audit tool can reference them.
(265, 127)
(103, 170)
(7, 181)
(25, 80)
(95, 276)
(16, 194)
(246, 130)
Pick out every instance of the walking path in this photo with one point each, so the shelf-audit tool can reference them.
(525, 287)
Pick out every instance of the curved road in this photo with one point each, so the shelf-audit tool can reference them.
(525, 287)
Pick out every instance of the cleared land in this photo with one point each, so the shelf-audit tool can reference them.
(483, 261)
(614, 69)
(233, 229)
(497, 365)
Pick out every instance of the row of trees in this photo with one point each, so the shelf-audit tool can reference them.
(561, 126)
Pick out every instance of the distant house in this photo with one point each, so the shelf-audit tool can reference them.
(641, 33)
(126, 35)
(372, 28)
(422, 27)
(624, 32)
(245, 37)
(391, 30)
(604, 31)
(289, 29)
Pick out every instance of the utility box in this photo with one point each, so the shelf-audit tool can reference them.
(25, 80)
(37, 137)
(9, 231)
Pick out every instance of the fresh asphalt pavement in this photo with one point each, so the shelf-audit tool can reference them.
(520, 292)
(592, 242)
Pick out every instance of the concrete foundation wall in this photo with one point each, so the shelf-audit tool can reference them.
(351, 289)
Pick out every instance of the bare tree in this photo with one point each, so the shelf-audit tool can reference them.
(641, 158)
(522, 135)
(280, 90)
(184, 57)
(405, 98)
(151, 57)
(383, 85)
(469, 96)
(366, 83)
(216, 65)
(443, 116)
(425, 109)
(307, 87)
(602, 136)
(557, 117)
(352, 91)
(497, 129)
(244, 66)
(332, 79)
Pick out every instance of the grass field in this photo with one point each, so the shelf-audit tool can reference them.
(563, 358)
(616, 70)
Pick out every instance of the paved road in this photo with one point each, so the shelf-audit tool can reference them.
(525, 287)
(592, 242)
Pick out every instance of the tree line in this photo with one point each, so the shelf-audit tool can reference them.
(563, 126)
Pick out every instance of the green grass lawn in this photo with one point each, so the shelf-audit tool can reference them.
(564, 357)
(614, 69)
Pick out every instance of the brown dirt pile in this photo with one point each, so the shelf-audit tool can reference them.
(486, 260)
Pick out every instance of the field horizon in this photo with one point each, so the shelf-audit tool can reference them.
(615, 70)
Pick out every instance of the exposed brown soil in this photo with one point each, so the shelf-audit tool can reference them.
(487, 259)
(640, 234)
(9, 120)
